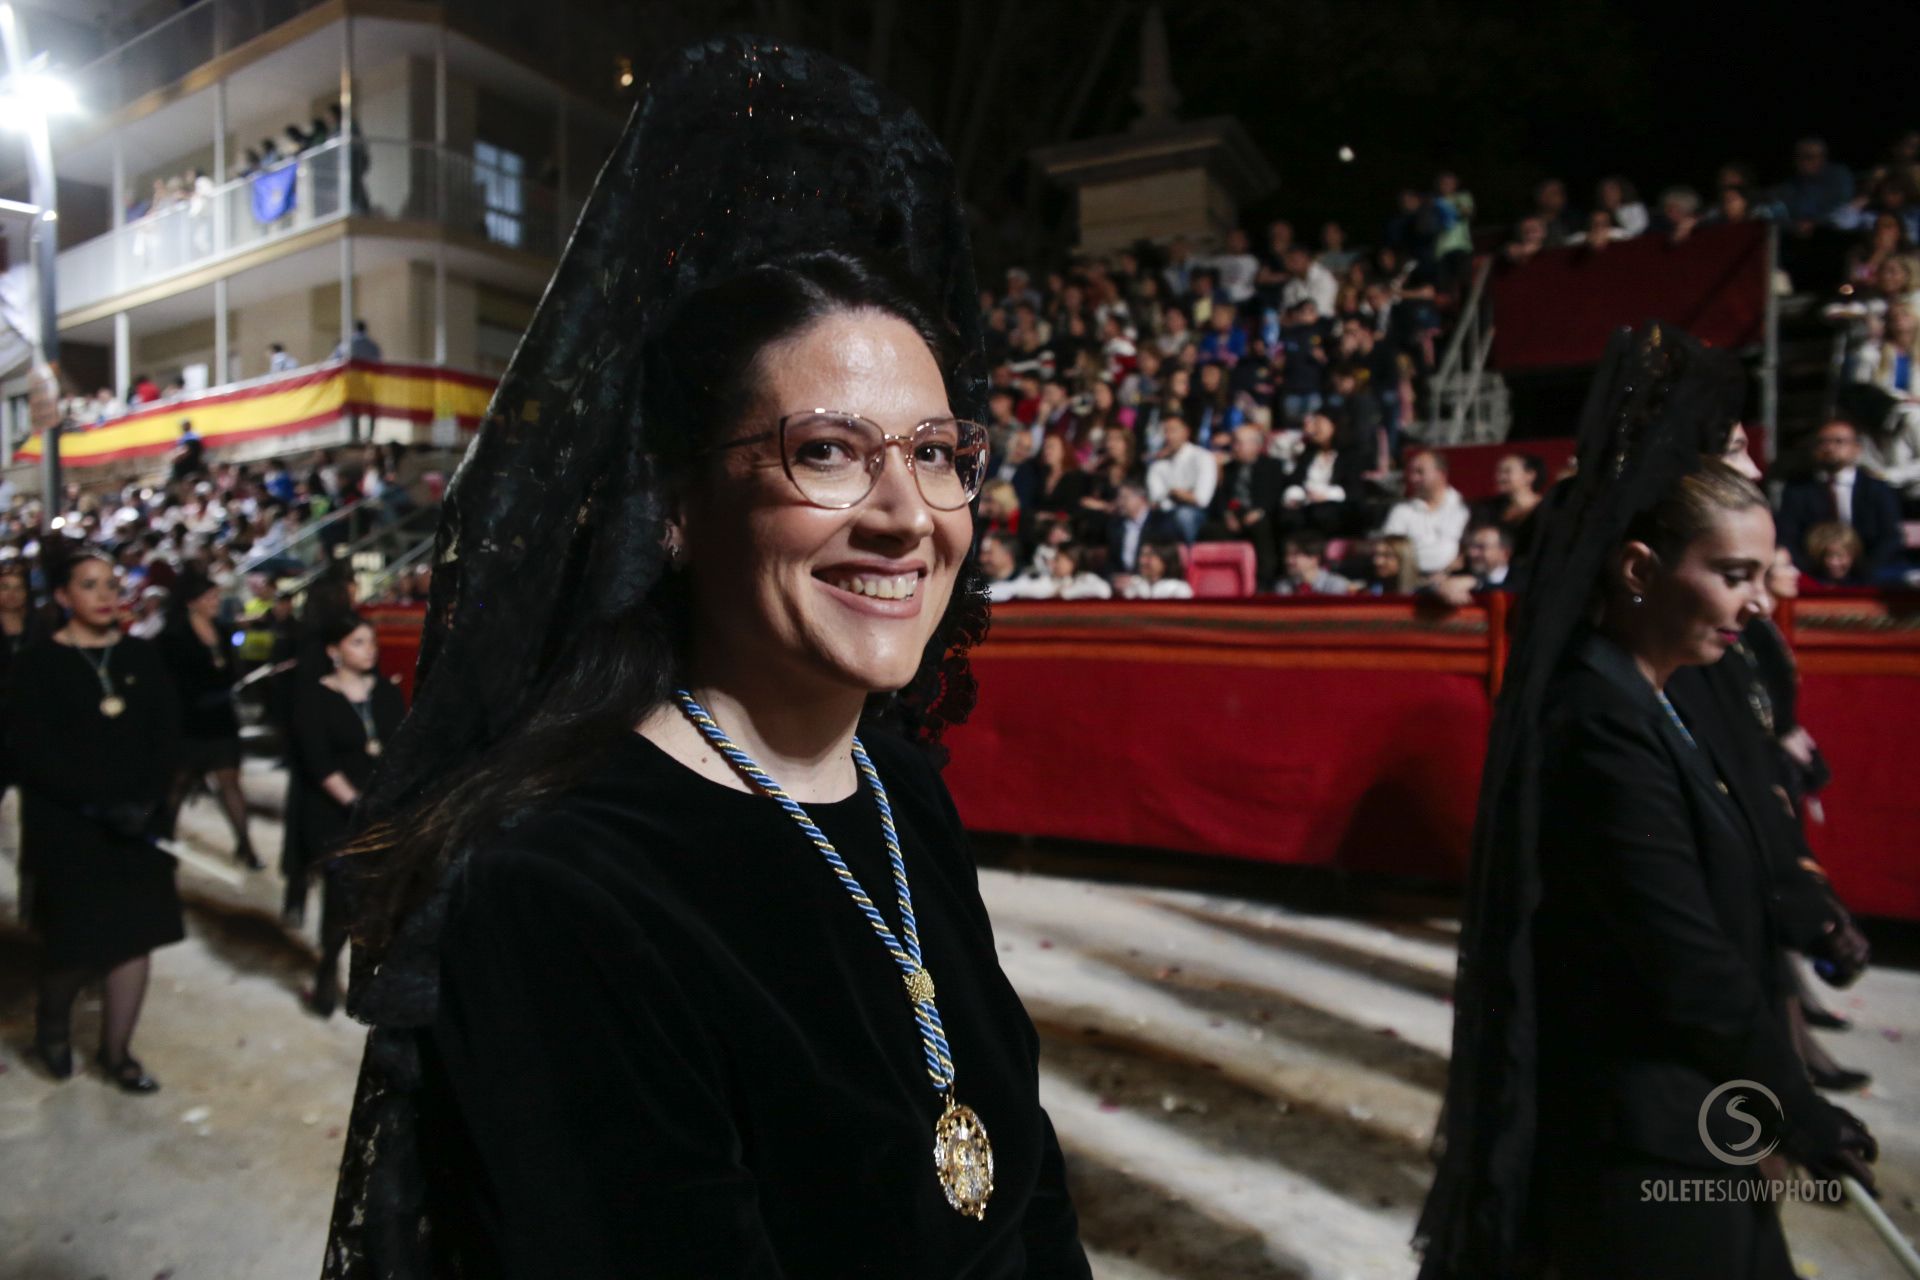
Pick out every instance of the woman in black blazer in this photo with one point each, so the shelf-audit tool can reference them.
(1655, 940)
(1325, 485)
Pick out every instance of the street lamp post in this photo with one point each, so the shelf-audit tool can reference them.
(30, 94)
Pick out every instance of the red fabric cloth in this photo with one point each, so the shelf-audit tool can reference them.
(1343, 734)
(1557, 310)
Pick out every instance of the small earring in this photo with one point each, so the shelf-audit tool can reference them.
(1638, 600)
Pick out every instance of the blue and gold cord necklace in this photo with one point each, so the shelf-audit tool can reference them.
(962, 1156)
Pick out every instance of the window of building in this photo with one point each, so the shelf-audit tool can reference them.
(501, 175)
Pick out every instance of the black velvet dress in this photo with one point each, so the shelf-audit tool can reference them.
(330, 737)
(96, 896)
(670, 1045)
(203, 676)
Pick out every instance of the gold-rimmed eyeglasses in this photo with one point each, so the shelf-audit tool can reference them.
(833, 458)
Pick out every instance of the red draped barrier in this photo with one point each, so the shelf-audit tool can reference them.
(1558, 309)
(1350, 734)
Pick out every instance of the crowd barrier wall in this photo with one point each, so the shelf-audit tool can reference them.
(1348, 734)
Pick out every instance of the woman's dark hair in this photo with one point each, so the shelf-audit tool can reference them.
(188, 587)
(704, 375)
(62, 564)
(1169, 553)
(338, 626)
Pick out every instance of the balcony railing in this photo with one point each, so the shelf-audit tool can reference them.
(385, 178)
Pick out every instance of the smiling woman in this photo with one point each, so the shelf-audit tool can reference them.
(679, 963)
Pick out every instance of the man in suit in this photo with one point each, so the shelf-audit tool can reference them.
(1840, 491)
(1246, 498)
(1135, 524)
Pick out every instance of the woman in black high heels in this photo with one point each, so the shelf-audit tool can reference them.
(341, 724)
(92, 733)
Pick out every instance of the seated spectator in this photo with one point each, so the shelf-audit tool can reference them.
(1488, 553)
(1556, 218)
(1528, 239)
(1323, 487)
(1307, 281)
(1817, 190)
(1306, 572)
(145, 390)
(1601, 231)
(1359, 418)
(1734, 205)
(1000, 563)
(1182, 479)
(1160, 577)
(1679, 213)
(1176, 333)
(1051, 483)
(1133, 525)
(1432, 517)
(997, 510)
(1334, 254)
(1887, 240)
(1835, 554)
(1119, 464)
(1519, 483)
(1236, 267)
(1840, 491)
(1246, 499)
(1224, 341)
(1307, 343)
(1210, 409)
(1616, 197)
(280, 360)
(1070, 579)
(1392, 567)
(1892, 364)
(1273, 265)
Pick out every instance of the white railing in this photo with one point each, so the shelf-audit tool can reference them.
(382, 179)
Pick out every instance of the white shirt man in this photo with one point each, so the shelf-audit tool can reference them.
(1183, 478)
(1236, 268)
(1310, 282)
(1432, 517)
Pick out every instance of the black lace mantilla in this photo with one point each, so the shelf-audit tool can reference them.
(740, 150)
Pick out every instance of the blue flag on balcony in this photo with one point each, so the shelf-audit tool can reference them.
(272, 192)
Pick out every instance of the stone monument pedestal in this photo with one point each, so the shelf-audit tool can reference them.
(1181, 178)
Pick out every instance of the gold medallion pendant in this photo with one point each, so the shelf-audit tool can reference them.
(963, 1158)
(112, 705)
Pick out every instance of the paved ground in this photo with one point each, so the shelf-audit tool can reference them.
(1245, 1090)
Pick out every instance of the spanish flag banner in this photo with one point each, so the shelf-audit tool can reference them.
(282, 406)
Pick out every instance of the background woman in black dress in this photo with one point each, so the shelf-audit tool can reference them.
(341, 725)
(92, 732)
(200, 656)
(656, 1033)
(1619, 949)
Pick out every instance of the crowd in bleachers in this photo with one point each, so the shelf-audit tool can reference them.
(1148, 404)
(235, 524)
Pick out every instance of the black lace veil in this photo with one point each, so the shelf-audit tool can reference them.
(1641, 429)
(740, 150)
